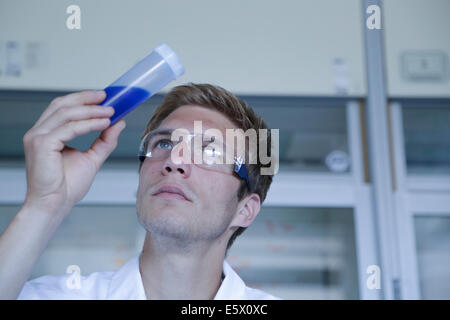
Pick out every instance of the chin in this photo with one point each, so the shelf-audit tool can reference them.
(167, 222)
(158, 204)
(158, 209)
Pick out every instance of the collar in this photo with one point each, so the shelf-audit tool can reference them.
(126, 283)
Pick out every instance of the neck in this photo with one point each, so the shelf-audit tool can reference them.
(191, 273)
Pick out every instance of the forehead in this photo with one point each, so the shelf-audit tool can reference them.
(184, 117)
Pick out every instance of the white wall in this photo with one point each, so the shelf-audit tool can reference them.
(415, 25)
(252, 46)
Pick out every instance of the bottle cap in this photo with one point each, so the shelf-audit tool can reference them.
(171, 58)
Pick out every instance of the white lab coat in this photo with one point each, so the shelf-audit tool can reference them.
(125, 284)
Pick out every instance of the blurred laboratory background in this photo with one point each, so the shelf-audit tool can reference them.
(360, 208)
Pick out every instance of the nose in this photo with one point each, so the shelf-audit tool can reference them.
(169, 167)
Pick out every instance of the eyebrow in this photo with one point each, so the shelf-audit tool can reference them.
(169, 131)
(164, 131)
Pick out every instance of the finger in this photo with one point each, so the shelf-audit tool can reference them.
(66, 114)
(77, 98)
(73, 129)
(105, 143)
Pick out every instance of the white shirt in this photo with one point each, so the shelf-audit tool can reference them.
(125, 284)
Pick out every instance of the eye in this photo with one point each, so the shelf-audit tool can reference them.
(163, 144)
(212, 152)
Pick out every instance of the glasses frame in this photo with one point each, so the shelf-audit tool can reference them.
(239, 166)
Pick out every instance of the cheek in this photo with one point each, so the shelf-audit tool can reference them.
(219, 189)
(139, 196)
(146, 178)
(148, 174)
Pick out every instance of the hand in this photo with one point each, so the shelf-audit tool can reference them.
(58, 176)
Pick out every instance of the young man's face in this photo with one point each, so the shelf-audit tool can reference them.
(211, 196)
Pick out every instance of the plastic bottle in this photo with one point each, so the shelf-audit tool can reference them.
(142, 81)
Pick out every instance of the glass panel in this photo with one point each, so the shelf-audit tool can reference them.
(299, 253)
(313, 132)
(433, 256)
(96, 238)
(22, 109)
(293, 253)
(313, 136)
(427, 139)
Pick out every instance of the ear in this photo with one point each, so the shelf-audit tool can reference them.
(248, 209)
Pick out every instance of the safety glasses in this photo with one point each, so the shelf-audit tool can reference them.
(205, 151)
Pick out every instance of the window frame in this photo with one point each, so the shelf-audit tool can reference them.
(414, 195)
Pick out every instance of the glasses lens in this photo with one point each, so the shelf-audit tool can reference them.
(208, 152)
(156, 145)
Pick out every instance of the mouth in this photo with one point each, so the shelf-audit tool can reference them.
(171, 192)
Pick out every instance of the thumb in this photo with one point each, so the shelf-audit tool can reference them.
(105, 143)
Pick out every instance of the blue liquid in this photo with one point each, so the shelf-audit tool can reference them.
(124, 99)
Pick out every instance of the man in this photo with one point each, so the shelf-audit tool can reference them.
(192, 211)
